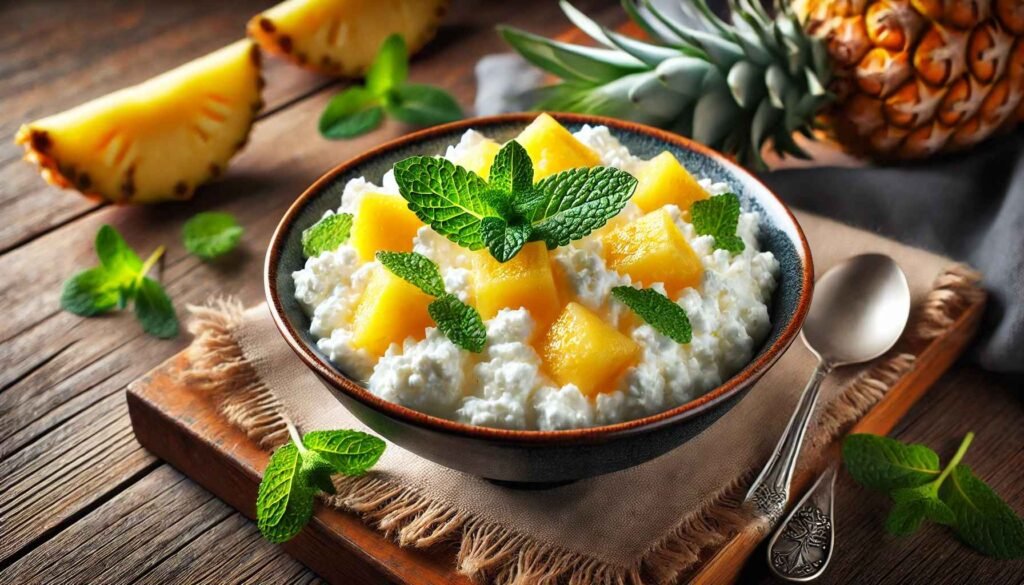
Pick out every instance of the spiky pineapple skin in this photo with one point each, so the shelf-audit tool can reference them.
(156, 141)
(914, 78)
(341, 37)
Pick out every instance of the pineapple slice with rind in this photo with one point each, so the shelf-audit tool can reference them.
(652, 249)
(390, 310)
(341, 37)
(383, 222)
(664, 181)
(554, 149)
(582, 349)
(157, 140)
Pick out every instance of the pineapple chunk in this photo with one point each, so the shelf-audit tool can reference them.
(554, 149)
(383, 222)
(652, 249)
(389, 311)
(157, 140)
(663, 181)
(480, 157)
(341, 37)
(524, 281)
(582, 349)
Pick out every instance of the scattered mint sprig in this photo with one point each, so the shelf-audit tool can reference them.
(658, 311)
(718, 217)
(459, 322)
(952, 496)
(360, 109)
(509, 210)
(301, 469)
(210, 234)
(326, 234)
(119, 279)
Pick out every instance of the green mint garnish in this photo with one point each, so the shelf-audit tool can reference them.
(119, 279)
(210, 234)
(301, 469)
(509, 210)
(658, 311)
(718, 217)
(459, 322)
(360, 109)
(326, 235)
(952, 496)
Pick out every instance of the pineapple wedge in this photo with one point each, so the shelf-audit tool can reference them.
(582, 349)
(383, 222)
(554, 149)
(524, 281)
(479, 158)
(157, 140)
(663, 181)
(389, 311)
(341, 37)
(652, 249)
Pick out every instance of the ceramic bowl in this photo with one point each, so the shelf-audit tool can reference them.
(532, 458)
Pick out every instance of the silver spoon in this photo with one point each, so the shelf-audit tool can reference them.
(859, 310)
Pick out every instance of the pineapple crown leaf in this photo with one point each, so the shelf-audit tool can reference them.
(733, 83)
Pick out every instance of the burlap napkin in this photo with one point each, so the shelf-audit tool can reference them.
(645, 524)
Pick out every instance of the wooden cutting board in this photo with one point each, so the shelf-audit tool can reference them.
(183, 428)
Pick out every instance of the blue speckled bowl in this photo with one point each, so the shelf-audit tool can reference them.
(541, 457)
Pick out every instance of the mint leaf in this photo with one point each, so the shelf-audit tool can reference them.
(718, 217)
(579, 201)
(421, 105)
(448, 197)
(348, 452)
(114, 253)
(658, 311)
(512, 169)
(326, 235)
(210, 234)
(390, 67)
(284, 501)
(504, 240)
(983, 520)
(414, 268)
(351, 113)
(886, 464)
(911, 506)
(154, 310)
(91, 292)
(459, 322)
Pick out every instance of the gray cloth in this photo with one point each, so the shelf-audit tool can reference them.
(969, 207)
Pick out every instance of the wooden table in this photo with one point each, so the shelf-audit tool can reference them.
(82, 502)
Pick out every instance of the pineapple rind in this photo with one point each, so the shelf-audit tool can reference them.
(157, 140)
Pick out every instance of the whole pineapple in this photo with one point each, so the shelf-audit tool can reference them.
(888, 79)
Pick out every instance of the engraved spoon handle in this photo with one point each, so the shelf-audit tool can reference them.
(769, 493)
(802, 546)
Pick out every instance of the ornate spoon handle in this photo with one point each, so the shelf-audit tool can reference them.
(769, 493)
(802, 547)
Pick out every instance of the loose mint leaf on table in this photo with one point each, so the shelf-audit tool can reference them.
(421, 105)
(459, 322)
(719, 217)
(579, 201)
(348, 452)
(115, 255)
(390, 67)
(351, 113)
(154, 309)
(911, 506)
(886, 464)
(210, 234)
(414, 268)
(983, 520)
(326, 235)
(512, 170)
(667, 317)
(504, 240)
(448, 197)
(91, 292)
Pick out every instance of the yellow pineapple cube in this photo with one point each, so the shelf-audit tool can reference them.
(389, 311)
(663, 181)
(479, 157)
(383, 222)
(652, 249)
(524, 281)
(582, 349)
(554, 149)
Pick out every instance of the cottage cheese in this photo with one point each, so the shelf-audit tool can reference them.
(504, 386)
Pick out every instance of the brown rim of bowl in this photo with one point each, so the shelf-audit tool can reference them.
(584, 435)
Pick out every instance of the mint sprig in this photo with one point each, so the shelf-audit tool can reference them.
(952, 496)
(118, 280)
(360, 109)
(459, 322)
(210, 234)
(302, 468)
(665, 316)
(326, 235)
(509, 210)
(719, 217)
